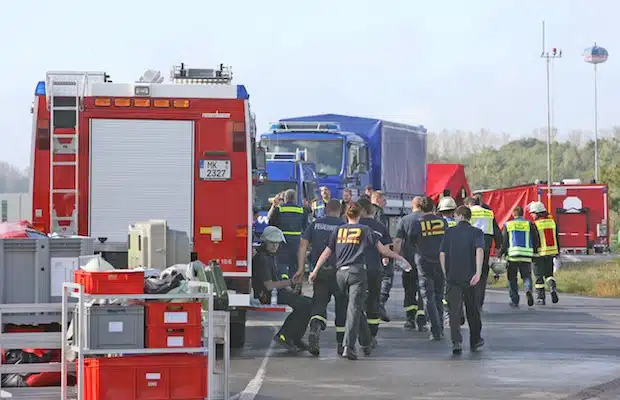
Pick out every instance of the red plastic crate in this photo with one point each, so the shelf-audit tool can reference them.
(114, 282)
(151, 377)
(162, 337)
(173, 315)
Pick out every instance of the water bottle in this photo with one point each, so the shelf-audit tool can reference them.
(274, 297)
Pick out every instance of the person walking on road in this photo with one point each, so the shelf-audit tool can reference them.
(426, 234)
(520, 238)
(350, 242)
(446, 208)
(266, 277)
(412, 302)
(325, 285)
(484, 219)
(461, 256)
(374, 310)
(549, 249)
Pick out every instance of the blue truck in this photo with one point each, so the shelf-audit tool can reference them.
(285, 170)
(353, 152)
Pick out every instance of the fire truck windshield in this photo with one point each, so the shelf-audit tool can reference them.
(326, 154)
(268, 190)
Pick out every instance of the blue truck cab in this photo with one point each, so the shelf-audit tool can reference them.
(285, 170)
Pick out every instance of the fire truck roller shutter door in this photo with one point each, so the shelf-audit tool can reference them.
(140, 170)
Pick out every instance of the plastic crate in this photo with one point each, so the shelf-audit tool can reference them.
(161, 337)
(115, 327)
(173, 315)
(111, 282)
(161, 377)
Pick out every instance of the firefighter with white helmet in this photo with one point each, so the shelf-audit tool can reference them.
(548, 249)
(446, 208)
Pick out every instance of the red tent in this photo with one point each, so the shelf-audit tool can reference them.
(440, 177)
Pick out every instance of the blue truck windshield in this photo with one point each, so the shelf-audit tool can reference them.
(326, 154)
(268, 190)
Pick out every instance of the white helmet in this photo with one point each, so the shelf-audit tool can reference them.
(273, 234)
(446, 204)
(537, 207)
(499, 266)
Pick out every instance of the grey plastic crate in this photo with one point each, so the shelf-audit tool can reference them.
(25, 272)
(114, 327)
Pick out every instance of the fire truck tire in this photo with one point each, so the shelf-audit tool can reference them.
(237, 335)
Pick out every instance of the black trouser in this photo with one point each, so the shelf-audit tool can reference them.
(412, 303)
(524, 269)
(324, 287)
(372, 300)
(387, 279)
(484, 276)
(543, 270)
(353, 282)
(432, 289)
(459, 293)
(296, 323)
(287, 257)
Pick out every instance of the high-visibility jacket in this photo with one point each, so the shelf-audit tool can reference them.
(291, 219)
(451, 221)
(318, 209)
(520, 241)
(482, 219)
(547, 230)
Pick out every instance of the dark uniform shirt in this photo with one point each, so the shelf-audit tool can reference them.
(350, 243)
(426, 235)
(407, 248)
(290, 218)
(373, 257)
(460, 243)
(264, 269)
(318, 233)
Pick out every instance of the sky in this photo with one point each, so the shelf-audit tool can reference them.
(444, 64)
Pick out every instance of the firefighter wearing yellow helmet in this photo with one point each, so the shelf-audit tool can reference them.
(548, 249)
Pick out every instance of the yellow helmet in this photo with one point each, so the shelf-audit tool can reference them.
(446, 204)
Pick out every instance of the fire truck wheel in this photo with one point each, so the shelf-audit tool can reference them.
(237, 335)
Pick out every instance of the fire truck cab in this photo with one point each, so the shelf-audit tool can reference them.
(108, 154)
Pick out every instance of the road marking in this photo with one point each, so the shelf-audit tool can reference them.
(253, 387)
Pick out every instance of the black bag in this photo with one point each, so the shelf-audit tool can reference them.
(215, 277)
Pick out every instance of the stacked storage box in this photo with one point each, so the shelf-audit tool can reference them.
(120, 329)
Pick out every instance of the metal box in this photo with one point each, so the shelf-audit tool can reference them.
(114, 327)
(27, 275)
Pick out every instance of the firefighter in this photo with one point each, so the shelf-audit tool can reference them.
(318, 206)
(265, 278)
(549, 249)
(347, 198)
(413, 304)
(446, 208)
(426, 234)
(349, 242)
(325, 285)
(520, 238)
(292, 220)
(484, 219)
(378, 202)
(374, 311)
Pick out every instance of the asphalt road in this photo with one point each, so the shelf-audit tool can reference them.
(570, 350)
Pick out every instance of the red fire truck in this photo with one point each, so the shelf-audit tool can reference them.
(108, 154)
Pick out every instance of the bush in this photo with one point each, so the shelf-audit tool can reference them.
(599, 279)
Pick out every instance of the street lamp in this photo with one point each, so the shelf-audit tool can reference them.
(548, 56)
(595, 55)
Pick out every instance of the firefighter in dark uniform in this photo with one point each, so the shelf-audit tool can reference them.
(325, 285)
(375, 266)
(413, 304)
(427, 235)
(378, 202)
(446, 208)
(292, 221)
(484, 219)
(350, 242)
(549, 249)
(318, 206)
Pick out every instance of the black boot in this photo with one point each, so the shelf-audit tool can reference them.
(383, 314)
(313, 338)
(420, 321)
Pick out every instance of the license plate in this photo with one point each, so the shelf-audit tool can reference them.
(214, 170)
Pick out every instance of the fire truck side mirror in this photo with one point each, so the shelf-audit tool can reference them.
(260, 159)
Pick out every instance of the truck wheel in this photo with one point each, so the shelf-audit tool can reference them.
(237, 335)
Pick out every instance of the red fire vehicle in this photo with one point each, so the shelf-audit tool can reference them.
(109, 154)
(581, 211)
